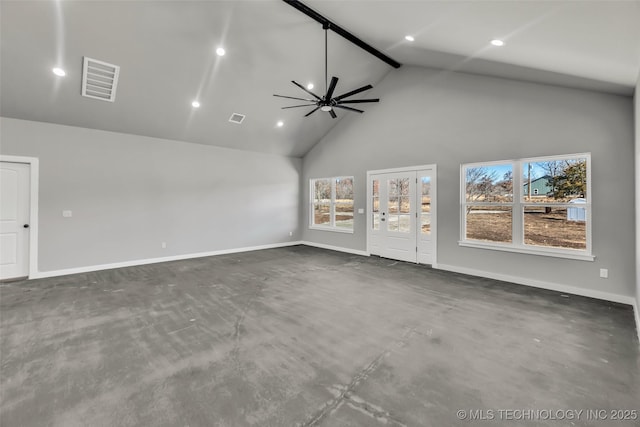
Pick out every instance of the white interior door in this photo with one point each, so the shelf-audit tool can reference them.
(14, 220)
(426, 194)
(393, 222)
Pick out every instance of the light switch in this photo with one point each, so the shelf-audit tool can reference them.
(67, 214)
(361, 211)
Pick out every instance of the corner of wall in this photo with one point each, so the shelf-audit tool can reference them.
(636, 103)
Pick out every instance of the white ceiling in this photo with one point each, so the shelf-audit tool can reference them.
(166, 50)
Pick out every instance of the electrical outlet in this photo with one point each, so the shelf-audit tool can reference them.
(67, 214)
(290, 233)
(164, 245)
(604, 273)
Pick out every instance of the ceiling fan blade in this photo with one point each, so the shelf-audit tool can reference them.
(306, 90)
(358, 101)
(332, 87)
(293, 97)
(353, 92)
(296, 106)
(333, 114)
(311, 112)
(348, 108)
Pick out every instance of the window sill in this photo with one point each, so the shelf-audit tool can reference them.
(334, 229)
(529, 250)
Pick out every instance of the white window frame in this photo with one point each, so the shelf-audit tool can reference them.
(332, 224)
(517, 240)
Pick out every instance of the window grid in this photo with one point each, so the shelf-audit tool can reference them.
(340, 211)
(576, 210)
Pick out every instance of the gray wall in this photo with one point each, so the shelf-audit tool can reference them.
(428, 116)
(130, 193)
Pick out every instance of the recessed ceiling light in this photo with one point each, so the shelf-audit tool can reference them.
(409, 38)
(59, 72)
(195, 104)
(497, 42)
(220, 51)
(310, 86)
(280, 124)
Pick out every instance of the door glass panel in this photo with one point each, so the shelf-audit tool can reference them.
(403, 186)
(405, 205)
(393, 199)
(376, 221)
(392, 207)
(404, 224)
(425, 223)
(392, 223)
(425, 203)
(392, 185)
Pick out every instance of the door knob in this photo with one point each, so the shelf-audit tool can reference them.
(26, 226)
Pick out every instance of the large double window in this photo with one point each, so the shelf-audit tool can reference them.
(332, 204)
(537, 205)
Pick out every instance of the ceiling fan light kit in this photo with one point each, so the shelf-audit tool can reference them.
(328, 102)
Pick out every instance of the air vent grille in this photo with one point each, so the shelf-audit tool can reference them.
(99, 79)
(236, 118)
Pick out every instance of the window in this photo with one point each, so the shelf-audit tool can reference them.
(425, 208)
(332, 204)
(540, 206)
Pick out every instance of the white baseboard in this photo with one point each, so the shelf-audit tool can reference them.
(335, 248)
(87, 269)
(607, 296)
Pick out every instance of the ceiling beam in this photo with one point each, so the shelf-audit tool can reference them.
(327, 24)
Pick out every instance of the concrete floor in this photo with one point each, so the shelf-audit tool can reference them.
(304, 336)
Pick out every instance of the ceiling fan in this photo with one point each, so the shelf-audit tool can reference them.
(328, 102)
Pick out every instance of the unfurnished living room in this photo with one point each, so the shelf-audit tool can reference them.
(319, 213)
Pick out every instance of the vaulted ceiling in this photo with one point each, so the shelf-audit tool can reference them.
(166, 51)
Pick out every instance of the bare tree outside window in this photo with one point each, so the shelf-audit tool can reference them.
(488, 199)
(332, 203)
(553, 203)
(344, 203)
(322, 202)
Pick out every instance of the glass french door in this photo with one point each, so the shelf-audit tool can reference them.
(393, 220)
(402, 215)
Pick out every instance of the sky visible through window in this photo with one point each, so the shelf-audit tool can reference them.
(498, 171)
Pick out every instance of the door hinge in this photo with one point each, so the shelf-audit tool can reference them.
(416, 249)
